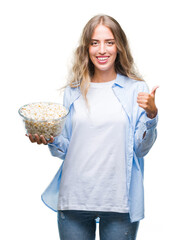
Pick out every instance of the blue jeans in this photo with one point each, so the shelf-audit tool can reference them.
(81, 225)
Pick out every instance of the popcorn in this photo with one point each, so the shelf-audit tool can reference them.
(45, 119)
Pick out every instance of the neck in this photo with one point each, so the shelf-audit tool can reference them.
(103, 76)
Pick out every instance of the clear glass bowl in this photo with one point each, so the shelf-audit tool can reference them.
(48, 127)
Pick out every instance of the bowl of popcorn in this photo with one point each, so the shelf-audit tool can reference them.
(44, 118)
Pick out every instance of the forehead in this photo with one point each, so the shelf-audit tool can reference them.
(102, 32)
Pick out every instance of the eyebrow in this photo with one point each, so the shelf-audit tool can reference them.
(110, 39)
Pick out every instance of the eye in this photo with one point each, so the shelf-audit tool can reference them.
(110, 43)
(94, 43)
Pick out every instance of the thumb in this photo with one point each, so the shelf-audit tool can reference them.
(153, 91)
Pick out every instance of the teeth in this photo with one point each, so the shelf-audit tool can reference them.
(102, 58)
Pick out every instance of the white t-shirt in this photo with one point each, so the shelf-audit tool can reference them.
(94, 171)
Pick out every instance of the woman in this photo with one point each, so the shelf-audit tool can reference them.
(110, 128)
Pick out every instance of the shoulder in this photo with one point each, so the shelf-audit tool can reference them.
(71, 90)
(135, 85)
(70, 94)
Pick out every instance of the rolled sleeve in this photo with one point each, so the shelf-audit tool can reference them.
(59, 147)
(151, 123)
(145, 136)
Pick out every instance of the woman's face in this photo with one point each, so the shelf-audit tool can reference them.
(102, 49)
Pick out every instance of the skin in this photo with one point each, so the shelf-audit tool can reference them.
(103, 52)
(147, 102)
(103, 46)
(40, 139)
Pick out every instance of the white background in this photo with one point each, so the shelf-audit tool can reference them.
(37, 41)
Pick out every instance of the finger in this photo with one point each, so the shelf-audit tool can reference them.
(38, 140)
(31, 138)
(142, 106)
(153, 91)
(51, 140)
(140, 94)
(142, 100)
(43, 140)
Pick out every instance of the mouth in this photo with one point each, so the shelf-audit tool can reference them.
(102, 59)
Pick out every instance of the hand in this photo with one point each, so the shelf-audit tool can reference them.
(40, 139)
(147, 102)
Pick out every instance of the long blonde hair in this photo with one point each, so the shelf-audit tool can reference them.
(83, 68)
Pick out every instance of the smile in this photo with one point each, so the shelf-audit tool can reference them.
(102, 59)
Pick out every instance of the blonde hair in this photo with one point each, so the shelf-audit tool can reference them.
(83, 68)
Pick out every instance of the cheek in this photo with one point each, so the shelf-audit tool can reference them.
(114, 52)
(91, 52)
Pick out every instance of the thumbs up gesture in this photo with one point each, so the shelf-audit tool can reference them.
(147, 102)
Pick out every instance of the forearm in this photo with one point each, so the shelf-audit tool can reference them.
(59, 147)
(145, 136)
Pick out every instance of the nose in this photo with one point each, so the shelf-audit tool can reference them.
(102, 48)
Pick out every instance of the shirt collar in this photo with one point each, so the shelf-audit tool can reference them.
(120, 80)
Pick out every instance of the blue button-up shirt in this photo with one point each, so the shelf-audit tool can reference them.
(141, 135)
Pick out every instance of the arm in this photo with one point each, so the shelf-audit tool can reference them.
(145, 130)
(145, 134)
(59, 146)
